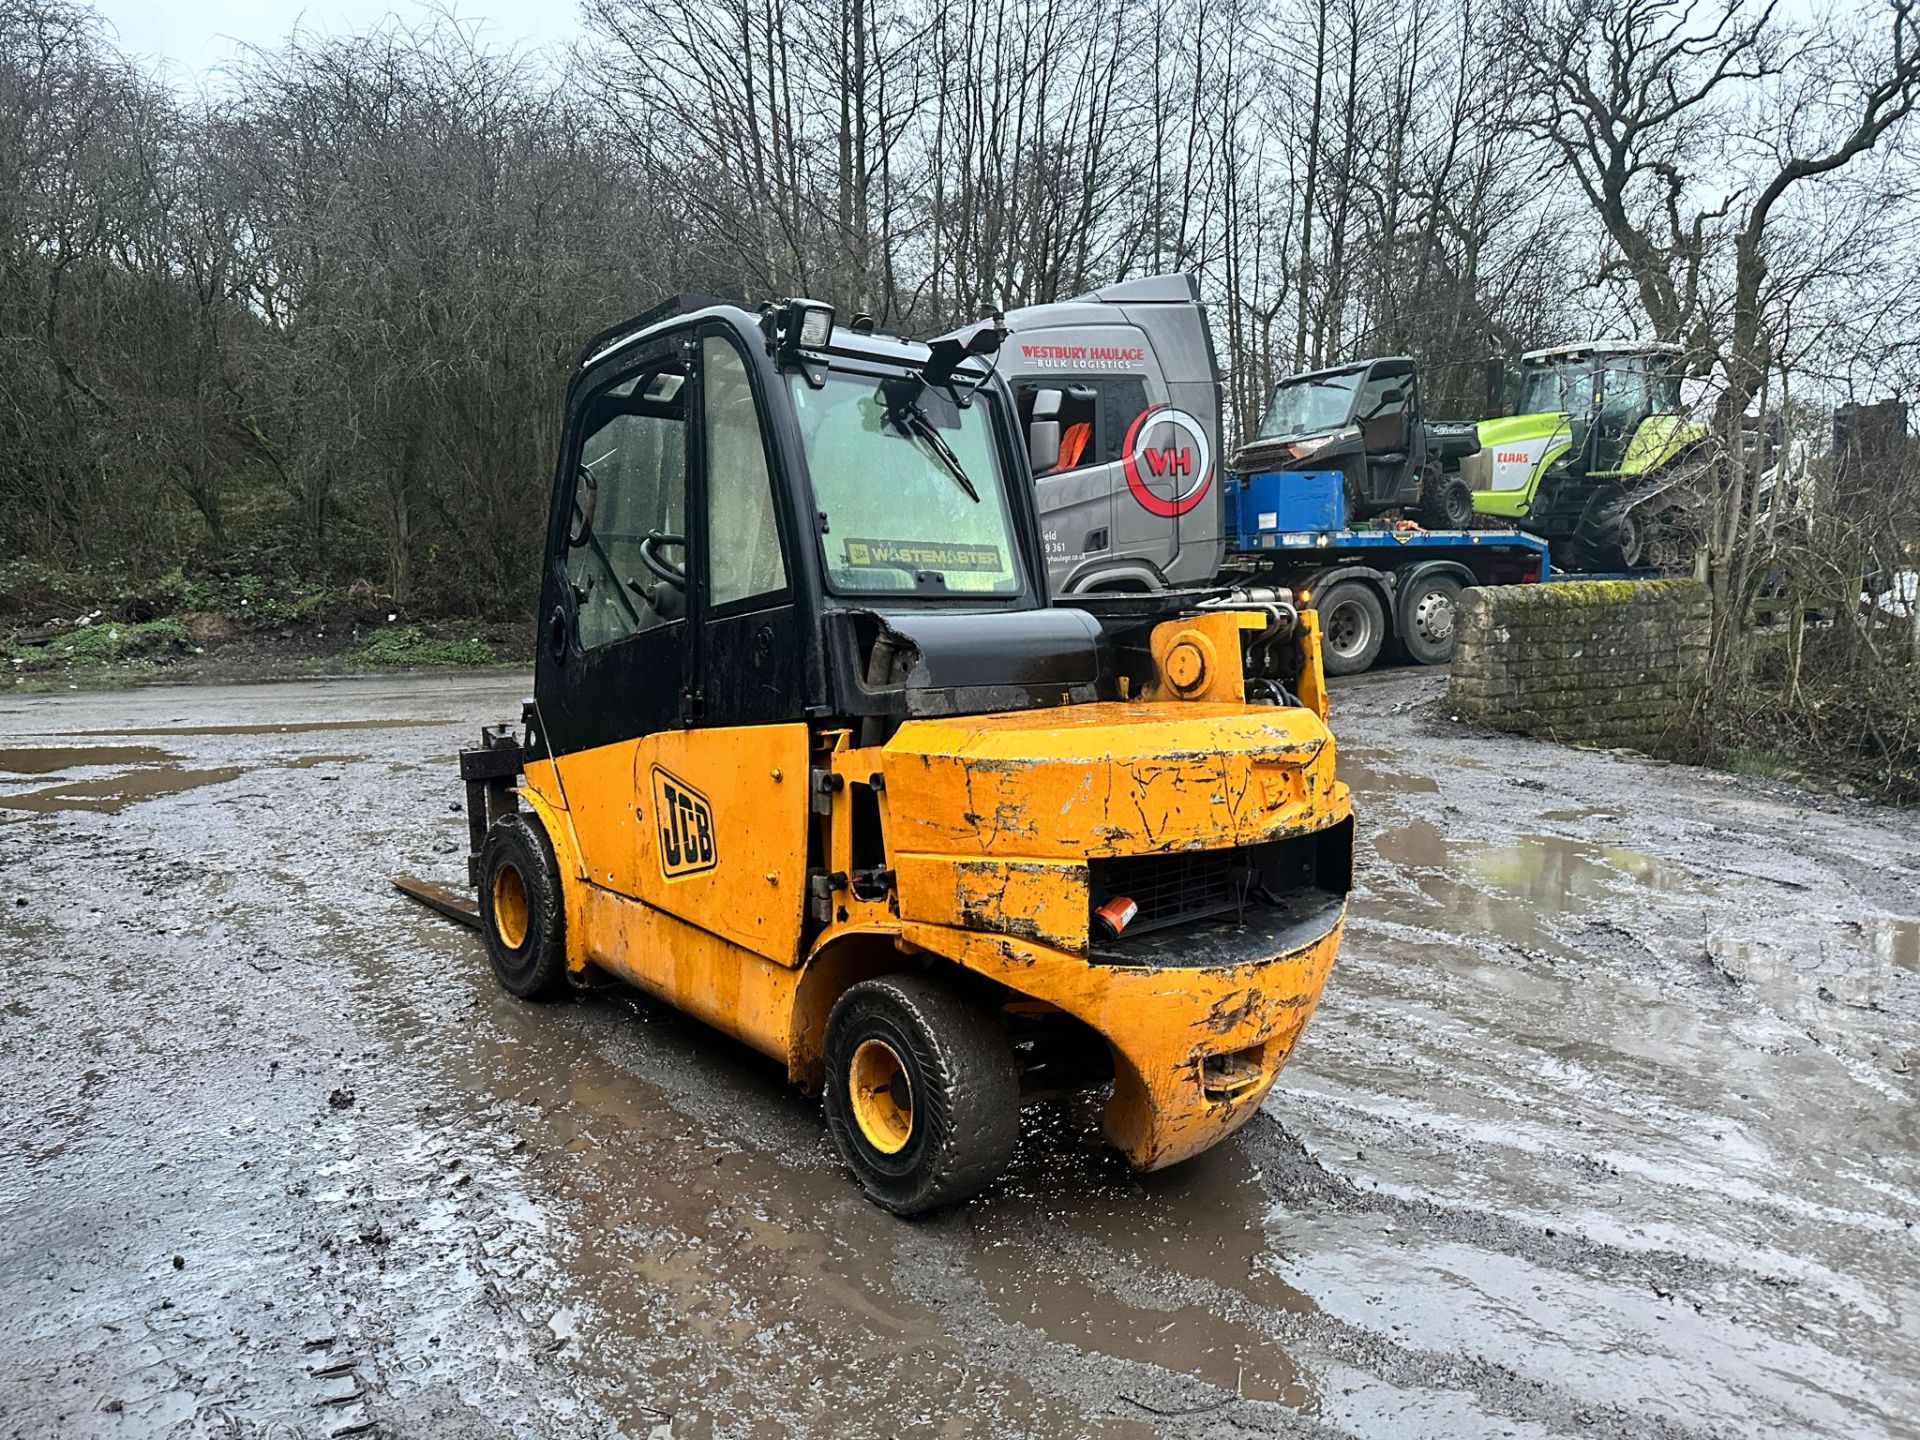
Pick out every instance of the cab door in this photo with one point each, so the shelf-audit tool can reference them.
(723, 846)
(618, 644)
(1073, 493)
(672, 667)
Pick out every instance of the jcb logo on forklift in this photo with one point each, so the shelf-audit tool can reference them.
(685, 822)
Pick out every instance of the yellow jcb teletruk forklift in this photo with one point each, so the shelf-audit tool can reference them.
(811, 757)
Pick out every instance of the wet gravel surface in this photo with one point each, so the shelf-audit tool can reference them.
(1605, 1127)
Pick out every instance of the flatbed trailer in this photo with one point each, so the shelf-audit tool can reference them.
(1385, 588)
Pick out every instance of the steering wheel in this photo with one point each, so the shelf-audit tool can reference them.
(586, 499)
(664, 569)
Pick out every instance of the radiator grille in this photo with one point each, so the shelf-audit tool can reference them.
(1170, 889)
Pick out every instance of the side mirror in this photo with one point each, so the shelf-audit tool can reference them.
(983, 337)
(1046, 404)
(586, 500)
(1390, 398)
(1043, 441)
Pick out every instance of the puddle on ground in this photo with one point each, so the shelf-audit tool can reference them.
(1548, 870)
(148, 774)
(114, 793)
(1515, 892)
(304, 728)
(1370, 772)
(50, 759)
(1075, 1261)
(1552, 871)
(1894, 940)
(1846, 961)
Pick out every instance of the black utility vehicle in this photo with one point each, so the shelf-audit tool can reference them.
(1364, 420)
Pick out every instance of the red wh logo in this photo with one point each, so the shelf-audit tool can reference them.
(1170, 461)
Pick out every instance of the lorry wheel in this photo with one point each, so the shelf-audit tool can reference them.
(922, 1093)
(1426, 619)
(1446, 502)
(1353, 627)
(521, 917)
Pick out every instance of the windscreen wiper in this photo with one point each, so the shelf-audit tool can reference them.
(923, 428)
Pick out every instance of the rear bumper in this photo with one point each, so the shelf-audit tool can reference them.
(1195, 1047)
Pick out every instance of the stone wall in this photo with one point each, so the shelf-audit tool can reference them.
(1600, 662)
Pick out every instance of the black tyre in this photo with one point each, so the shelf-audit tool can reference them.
(1660, 534)
(1353, 627)
(922, 1093)
(1446, 502)
(521, 916)
(1427, 609)
(1610, 534)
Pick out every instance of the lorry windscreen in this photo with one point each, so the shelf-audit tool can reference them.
(1300, 407)
(910, 494)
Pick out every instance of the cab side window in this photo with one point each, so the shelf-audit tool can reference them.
(1095, 416)
(1383, 421)
(1122, 399)
(743, 541)
(626, 536)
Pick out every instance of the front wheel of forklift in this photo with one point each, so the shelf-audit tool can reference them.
(520, 909)
(922, 1093)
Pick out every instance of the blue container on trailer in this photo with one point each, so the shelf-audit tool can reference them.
(1273, 505)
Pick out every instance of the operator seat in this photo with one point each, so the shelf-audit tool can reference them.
(1073, 444)
(1384, 437)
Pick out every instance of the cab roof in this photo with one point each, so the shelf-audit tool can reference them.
(678, 309)
(1581, 349)
(1394, 363)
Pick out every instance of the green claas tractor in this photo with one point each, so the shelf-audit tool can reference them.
(1599, 458)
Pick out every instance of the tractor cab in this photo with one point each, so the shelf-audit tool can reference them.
(1605, 392)
(1364, 420)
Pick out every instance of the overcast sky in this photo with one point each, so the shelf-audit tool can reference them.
(195, 37)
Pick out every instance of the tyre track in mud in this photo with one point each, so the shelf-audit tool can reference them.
(1574, 1146)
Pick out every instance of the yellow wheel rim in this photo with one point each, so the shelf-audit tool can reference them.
(882, 1096)
(510, 907)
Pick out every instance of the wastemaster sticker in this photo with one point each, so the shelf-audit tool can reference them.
(925, 555)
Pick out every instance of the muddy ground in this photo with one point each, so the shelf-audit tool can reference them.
(1606, 1127)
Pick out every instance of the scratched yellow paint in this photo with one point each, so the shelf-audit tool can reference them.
(1108, 779)
(1162, 1025)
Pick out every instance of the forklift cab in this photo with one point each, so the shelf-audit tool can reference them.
(719, 500)
(1360, 419)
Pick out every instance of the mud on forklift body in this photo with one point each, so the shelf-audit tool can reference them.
(811, 757)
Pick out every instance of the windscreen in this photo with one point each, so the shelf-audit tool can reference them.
(1301, 407)
(1565, 387)
(910, 495)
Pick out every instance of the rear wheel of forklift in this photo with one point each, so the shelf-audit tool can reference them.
(922, 1093)
(521, 915)
(1353, 626)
